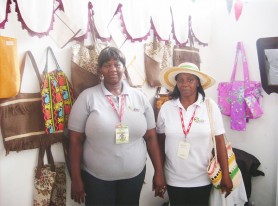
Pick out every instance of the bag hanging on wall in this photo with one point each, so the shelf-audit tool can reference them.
(57, 97)
(45, 177)
(84, 61)
(183, 54)
(240, 99)
(50, 180)
(9, 67)
(159, 100)
(157, 56)
(213, 169)
(21, 118)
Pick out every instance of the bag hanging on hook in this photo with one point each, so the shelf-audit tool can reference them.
(57, 97)
(9, 67)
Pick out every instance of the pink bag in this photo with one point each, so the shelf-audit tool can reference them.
(240, 99)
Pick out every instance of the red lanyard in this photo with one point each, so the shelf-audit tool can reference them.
(121, 114)
(190, 122)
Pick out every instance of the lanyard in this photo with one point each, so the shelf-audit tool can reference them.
(121, 114)
(190, 122)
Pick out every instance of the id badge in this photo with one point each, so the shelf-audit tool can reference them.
(183, 150)
(122, 134)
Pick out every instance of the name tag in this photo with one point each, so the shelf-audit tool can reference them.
(122, 134)
(183, 150)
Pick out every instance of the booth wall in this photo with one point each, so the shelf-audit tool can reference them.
(258, 19)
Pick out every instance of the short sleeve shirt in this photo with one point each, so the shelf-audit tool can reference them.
(190, 172)
(93, 115)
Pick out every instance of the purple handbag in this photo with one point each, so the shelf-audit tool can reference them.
(240, 99)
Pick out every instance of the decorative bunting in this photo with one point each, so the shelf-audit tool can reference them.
(229, 5)
(238, 5)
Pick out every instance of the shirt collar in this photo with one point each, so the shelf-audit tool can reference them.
(107, 93)
(197, 103)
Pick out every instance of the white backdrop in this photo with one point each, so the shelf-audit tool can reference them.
(258, 19)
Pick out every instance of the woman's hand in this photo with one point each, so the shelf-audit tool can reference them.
(77, 191)
(226, 185)
(159, 185)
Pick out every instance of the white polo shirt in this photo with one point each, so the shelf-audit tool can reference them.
(93, 114)
(190, 172)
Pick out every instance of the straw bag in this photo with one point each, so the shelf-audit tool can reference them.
(213, 169)
(21, 118)
(159, 100)
(9, 68)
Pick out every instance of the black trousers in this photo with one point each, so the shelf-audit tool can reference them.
(183, 196)
(124, 192)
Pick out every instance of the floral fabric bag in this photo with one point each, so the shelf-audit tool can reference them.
(240, 99)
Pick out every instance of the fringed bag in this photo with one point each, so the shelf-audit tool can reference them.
(21, 118)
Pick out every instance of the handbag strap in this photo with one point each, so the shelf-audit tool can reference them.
(240, 48)
(42, 150)
(212, 139)
(54, 58)
(34, 64)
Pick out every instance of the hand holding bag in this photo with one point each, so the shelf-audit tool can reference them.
(9, 68)
(240, 99)
(213, 169)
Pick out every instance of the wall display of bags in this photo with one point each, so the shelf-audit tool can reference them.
(21, 118)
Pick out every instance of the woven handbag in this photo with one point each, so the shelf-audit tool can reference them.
(159, 100)
(213, 169)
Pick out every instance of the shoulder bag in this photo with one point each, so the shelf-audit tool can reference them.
(21, 118)
(240, 99)
(57, 97)
(213, 169)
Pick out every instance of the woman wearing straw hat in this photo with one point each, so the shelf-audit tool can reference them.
(184, 135)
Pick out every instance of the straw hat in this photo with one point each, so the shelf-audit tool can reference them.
(167, 75)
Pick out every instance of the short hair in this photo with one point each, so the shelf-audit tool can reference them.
(109, 53)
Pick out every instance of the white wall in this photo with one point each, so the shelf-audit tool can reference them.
(258, 19)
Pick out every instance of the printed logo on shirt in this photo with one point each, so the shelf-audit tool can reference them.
(198, 120)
